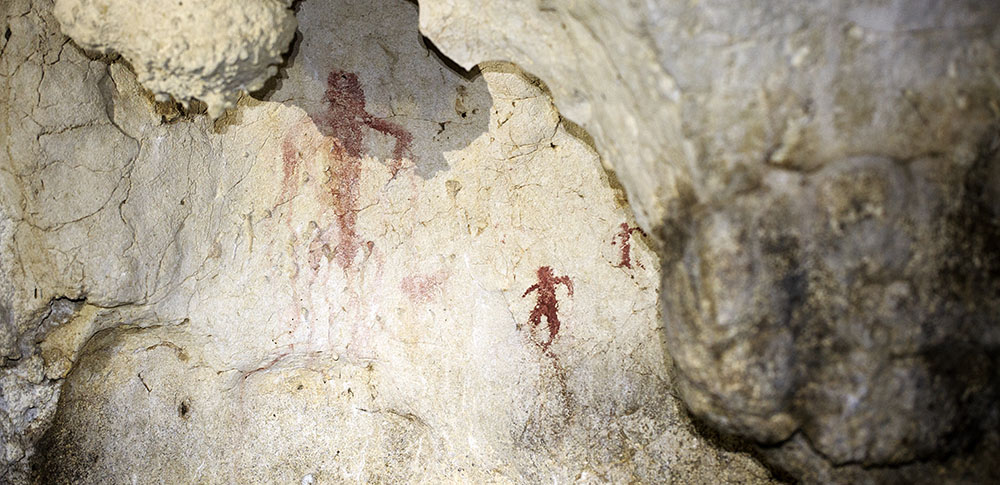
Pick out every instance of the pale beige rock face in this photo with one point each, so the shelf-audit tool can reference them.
(206, 49)
(335, 284)
(605, 75)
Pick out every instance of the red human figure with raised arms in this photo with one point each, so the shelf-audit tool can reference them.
(547, 305)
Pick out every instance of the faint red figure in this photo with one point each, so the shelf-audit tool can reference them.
(626, 235)
(547, 304)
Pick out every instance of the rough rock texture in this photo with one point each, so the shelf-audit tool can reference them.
(212, 50)
(822, 180)
(385, 272)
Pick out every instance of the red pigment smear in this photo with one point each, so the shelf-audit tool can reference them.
(547, 305)
(265, 366)
(291, 158)
(419, 288)
(626, 235)
(293, 146)
(291, 155)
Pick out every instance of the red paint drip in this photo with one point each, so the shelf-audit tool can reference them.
(547, 305)
(626, 235)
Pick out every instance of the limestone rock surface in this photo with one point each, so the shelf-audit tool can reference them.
(386, 271)
(821, 180)
(211, 50)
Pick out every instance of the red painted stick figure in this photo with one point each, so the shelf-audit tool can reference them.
(547, 304)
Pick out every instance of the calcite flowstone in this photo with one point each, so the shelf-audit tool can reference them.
(211, 50)
(384, 272)
(821, 180)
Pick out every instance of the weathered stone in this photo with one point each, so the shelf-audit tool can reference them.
(207, 49)
(821, 179)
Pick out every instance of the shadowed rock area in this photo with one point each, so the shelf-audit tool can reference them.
(820, 179)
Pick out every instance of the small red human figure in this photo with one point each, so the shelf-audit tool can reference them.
(547, 304)
(626, 234)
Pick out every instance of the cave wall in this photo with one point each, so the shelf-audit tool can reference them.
(378, 269)
(781, 218)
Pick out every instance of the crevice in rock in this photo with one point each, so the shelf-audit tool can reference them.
(432, 49)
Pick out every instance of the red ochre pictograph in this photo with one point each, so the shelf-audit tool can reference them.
(547, 305)
(625, 235)
(342, 124)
